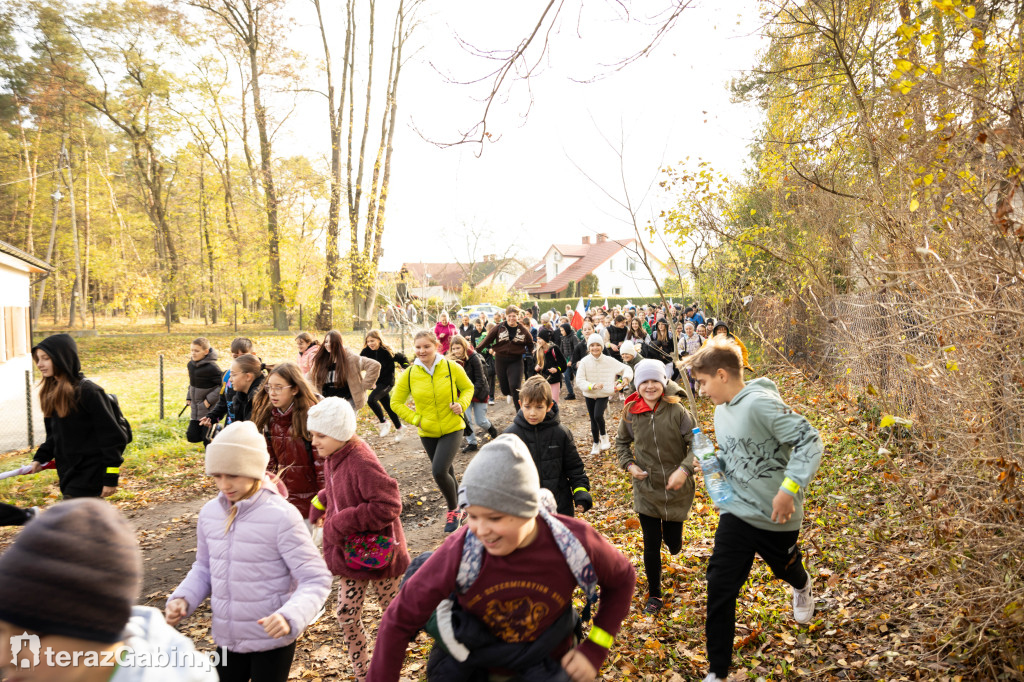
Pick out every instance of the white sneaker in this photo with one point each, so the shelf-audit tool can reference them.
(596, 450)
(803, 603)
(714, 678)
(508, 399)
(399, 432)
(385, 428)
(605, 443)
(491, 401)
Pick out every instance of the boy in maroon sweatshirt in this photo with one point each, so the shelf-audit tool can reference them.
(513, 567)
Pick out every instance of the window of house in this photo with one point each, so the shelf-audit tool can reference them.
(9, 331)
(611, 263)
(556, 268)
(616, 291)
(631, 265)
(557, 257)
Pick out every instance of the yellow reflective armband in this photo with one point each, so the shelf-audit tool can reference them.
(601, 638)
(113, 470)
(317, 503)
(791, 485)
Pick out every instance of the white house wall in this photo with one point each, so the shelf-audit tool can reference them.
(615, 279)
(15, 360)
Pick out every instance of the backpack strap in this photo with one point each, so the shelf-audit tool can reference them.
(572, 550)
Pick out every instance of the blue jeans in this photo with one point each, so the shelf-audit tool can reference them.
(568, 375)
(478, 413)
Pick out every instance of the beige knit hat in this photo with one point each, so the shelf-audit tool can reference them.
(239, 450)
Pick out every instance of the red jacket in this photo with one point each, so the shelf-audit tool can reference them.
(359, 496)
(292, 459)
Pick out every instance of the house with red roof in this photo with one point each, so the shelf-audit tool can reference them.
(617, 264)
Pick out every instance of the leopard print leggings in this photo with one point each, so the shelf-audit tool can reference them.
(351, 594)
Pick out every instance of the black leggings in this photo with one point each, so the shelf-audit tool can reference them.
(13, 516)
(489, 364)
(655, 531)
(259, 666)
(736, 543)
(510, 375)
(441, 452)
(596, 408)
(381, 397)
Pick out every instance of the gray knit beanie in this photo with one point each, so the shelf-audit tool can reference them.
(502, 477)
(649, 370)
(75, 570)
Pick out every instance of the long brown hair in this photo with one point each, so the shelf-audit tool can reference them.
(373, 333)
(57, 395)
(262, 409)
(325, 360)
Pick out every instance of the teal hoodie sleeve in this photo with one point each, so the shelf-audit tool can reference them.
(792, 429)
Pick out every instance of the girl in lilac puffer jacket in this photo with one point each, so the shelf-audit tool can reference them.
(255, 560)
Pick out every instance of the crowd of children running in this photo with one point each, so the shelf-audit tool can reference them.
(292, 473)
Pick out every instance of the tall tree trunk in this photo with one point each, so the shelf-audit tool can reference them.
(270, 196)
(325, 316)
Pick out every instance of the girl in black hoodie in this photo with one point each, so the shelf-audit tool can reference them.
(379, 399)
(83, 436)
(203, 387)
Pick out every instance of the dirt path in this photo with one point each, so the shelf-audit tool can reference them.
(167, 535)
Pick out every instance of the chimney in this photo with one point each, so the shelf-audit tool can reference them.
(586, 240)
(601, 237)
(489, 258)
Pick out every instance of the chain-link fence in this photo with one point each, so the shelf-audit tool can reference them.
(21, 420)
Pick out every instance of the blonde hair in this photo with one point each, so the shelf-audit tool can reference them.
(256, 485)
(717, 353)
(427, 334)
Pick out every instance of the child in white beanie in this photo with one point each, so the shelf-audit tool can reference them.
(654, 445)
(509, 615)
(598, 377)
(360, 508)
(255, 560)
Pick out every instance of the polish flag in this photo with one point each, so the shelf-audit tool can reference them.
(605, 306)
(577, 316)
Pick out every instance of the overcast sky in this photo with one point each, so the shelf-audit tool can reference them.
(524, 191)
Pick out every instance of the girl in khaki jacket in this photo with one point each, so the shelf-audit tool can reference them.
(661, 463)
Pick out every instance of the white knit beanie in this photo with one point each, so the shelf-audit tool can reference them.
(627, 348)
(595, 338)
(333, 417)
(239, 450)
(649, 370)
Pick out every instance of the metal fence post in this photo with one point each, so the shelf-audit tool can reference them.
(161, 386)
(28, 406)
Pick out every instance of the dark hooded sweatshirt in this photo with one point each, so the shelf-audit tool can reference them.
(558, 463)
(88, 443)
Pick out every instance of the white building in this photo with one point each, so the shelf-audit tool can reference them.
(616, 263)
(16, 378)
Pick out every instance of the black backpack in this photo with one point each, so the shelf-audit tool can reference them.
(122, 421)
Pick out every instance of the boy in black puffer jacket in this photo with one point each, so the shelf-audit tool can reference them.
(552, 447)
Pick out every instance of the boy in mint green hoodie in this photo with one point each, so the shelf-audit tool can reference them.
(769, 455)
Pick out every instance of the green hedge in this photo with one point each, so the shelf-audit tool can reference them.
(559, 304)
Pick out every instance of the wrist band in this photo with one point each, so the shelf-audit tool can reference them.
(791, 485)
(580, 489)
(113, 470)
(317, 503)
(600, 638)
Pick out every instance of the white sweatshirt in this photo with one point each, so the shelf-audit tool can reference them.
(602, 370)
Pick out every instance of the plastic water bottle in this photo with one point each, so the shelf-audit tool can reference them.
(714, 478)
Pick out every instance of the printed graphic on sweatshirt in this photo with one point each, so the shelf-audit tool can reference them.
(518, 610)
(747, 460)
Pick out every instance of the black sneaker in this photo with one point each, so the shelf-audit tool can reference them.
(570, 397)
(653, 606)
(452, 520)
(469, 447)
(492, 432)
